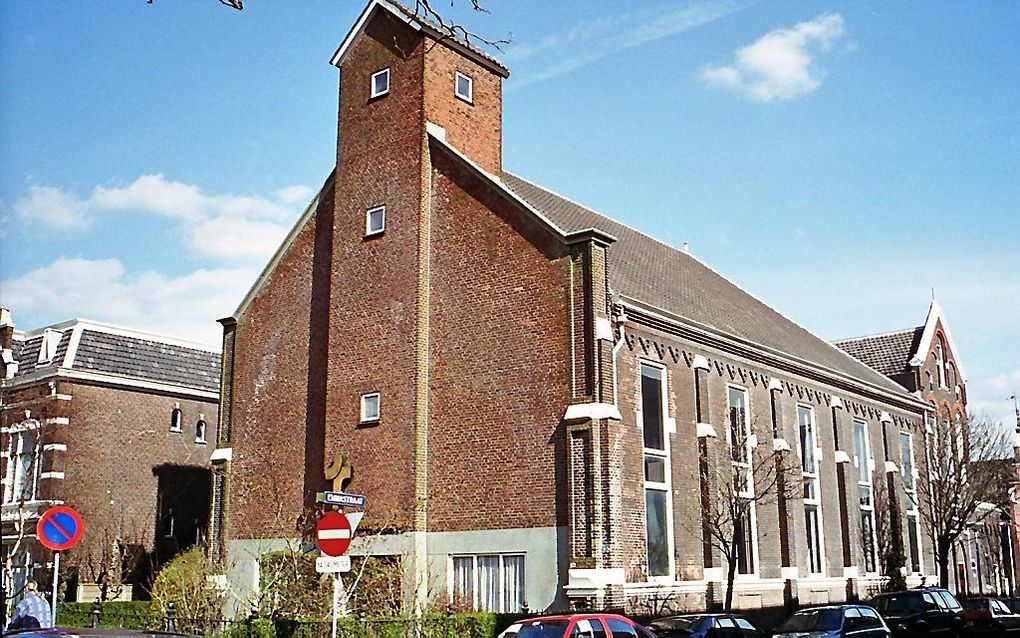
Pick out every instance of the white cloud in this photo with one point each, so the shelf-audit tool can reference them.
(593, 40)
(103, 290)
(52, 207)
(781, 64)
(225, 227)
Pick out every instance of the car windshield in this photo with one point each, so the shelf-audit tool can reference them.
(812, 620)
(979, 604)
(899, 604)
(542, 629)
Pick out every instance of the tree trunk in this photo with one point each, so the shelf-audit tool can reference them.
(731, 573)
(943, 550)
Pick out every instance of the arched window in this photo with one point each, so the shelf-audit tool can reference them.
(200, 429)
(940, 363)
(176, 417)
(950, 374)
(928, 381)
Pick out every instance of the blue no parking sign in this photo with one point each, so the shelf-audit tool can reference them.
(59, 528)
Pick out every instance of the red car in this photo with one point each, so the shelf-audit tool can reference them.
(577, 625)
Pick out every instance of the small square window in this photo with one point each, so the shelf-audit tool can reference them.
(370, 407)
(380, 83)
(375, 220)
(464, 87)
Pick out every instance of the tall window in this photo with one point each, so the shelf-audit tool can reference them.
(23, 466)
(910, 500)
(812, 496)
(488, 582)
(866, 495)
(739, 436)
(656, 461)
(940, 364)
(176, 418)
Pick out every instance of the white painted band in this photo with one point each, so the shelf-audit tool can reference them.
(333, 534)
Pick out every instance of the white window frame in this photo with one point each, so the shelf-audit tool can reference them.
(176, 418)
(911, 494)
(940, 364)
(866, 480)
(365, 417)
(745, 466)
(469, 98)
(372, 90)
(665, 487)
(368, 221)
(475, 589)
(813, 478)
(201, 429)
(15, 450)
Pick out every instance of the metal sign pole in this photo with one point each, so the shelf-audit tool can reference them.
(336, 600)
(53, 596)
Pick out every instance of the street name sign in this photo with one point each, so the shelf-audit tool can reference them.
(333, 564)
(343, 499)
(59, 528)
(333, 534)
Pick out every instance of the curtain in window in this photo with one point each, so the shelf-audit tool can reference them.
(463, 582)
(488, 583)
(513, 584)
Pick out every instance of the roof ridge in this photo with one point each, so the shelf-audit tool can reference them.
(875, 336)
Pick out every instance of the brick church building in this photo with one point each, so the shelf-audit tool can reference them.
(532, 394)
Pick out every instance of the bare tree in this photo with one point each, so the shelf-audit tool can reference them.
(890, 557)
(964, 471)
(743, 476)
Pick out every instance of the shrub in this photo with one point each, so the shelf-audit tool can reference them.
(132, 614)
(186, 582)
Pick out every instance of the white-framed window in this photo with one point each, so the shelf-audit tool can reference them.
(176, 418)
(866, 494)
(658, 504)
(375, 220)
(741, 445)
(907, 472)
(812, 493)
(200, 428)
(464, 87)
(371, 407)
(380, 83)
(487, 582)
(24, 465)
(940, 364)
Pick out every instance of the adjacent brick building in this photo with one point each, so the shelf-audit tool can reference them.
(531, 394)
(116, 423)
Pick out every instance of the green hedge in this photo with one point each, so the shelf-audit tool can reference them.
(131, 614)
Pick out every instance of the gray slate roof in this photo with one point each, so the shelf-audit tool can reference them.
(649, 271)
(889, 353)
(120, 355)
(148, 360)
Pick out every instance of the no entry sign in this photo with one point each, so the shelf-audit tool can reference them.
(333, 534)
(59, 528)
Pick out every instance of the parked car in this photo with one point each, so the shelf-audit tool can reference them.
(930, 612)
(577, 625)
(704, 626)
(835, 621)
(990, 617)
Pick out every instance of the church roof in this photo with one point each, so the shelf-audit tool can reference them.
(888, 353)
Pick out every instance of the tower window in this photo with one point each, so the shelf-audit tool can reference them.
(370, 407)
(464, 87)
(380, 83)
(375, 220)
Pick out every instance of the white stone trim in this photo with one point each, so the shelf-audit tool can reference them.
(790, 573)
(705, 430)
(851, 572)
(837, 403)
(935, 315)
(841, 456)
(57, 420)
(603, 329)
(221, 454)
(885, 417)
(775, 384)
(780, 445)
(891, 468)
(54, 447)
(58, 476)
(700, 362)
(593, 411)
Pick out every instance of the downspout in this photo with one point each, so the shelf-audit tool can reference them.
(621, 320)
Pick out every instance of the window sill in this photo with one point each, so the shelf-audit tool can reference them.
(374, 235)
(373, 98)
(465, 99)
(176, 431)
(369, 423)
(201, 442)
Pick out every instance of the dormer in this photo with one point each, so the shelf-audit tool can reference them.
(399, 69)
(48, 345)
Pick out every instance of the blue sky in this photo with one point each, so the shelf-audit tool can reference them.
(837, 159)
